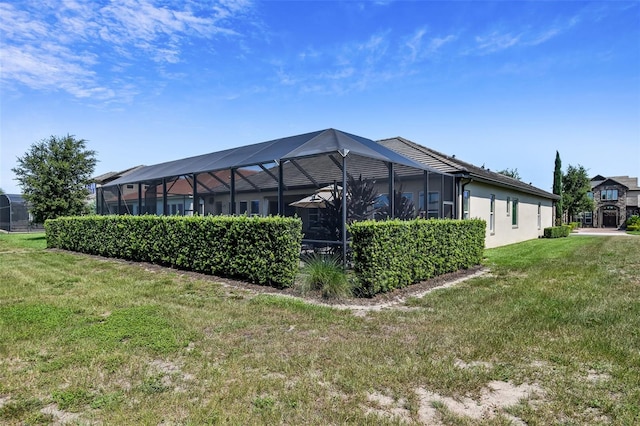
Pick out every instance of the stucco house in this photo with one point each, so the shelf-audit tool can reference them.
(514, 210)
(616, 198)
(438, 185)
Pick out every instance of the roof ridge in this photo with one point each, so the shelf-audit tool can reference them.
(448, 160)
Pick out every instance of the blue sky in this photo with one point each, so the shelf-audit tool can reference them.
(504, 84)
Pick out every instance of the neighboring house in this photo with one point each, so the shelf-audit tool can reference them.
(616, 198)
(147, 197)
(289, 169)
(96, 189)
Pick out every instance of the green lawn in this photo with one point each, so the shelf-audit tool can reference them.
(553, 328)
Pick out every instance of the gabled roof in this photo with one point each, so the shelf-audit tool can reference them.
(607, 181)
(626, 181)
(446, 164)
(277, 150)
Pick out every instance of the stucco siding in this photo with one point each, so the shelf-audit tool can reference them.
(528, 224)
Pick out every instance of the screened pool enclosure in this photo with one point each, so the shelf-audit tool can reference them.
(14, 214)
(274, 177)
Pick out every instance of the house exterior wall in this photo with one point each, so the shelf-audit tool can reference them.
(530, 223)
(633, 203)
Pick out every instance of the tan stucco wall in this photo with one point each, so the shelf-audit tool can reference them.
(504, 232)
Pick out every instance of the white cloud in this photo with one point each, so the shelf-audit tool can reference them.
(495, 42)
(421, 48)
(59, 45)
(415, 44)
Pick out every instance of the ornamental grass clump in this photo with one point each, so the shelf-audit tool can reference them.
(324, 273)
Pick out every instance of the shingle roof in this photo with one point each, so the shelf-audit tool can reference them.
(447, 164)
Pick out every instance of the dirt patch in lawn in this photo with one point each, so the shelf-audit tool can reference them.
(494, 398)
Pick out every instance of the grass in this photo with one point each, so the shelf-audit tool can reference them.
(118, 343)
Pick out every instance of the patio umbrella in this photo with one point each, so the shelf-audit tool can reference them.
(318, 199)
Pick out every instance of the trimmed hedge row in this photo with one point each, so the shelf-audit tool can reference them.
(393, 254)
(557, 231)
(263, 250)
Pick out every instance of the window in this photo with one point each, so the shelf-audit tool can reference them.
(590, 195)
(514, 212)
(508, 205)
(539, 215)
(314, 217)
(609, 194)
(492, 216)
(588, 218)
(255, 206)
(465, 204)
(381, 202)
(243, 207)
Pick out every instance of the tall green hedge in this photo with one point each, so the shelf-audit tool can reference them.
(393, 254)
(263, 250)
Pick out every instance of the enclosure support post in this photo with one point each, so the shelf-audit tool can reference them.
(392, 191)
(441, 206)
(119, 200)
(196, 203)
(280, 189)
(165, 205)
(139, 198)
(344, 210)
(425, 199)
(99, 199)
(232, 190)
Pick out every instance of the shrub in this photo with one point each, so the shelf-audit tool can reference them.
(263, 250)
(326, 274)
(574, 225)
(393, 254)
(557, 231)
(633, 223)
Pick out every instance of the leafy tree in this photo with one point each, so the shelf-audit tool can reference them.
(1, 191)
(54, 175)
(575, 189)
(511, 173)
(557, 188)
